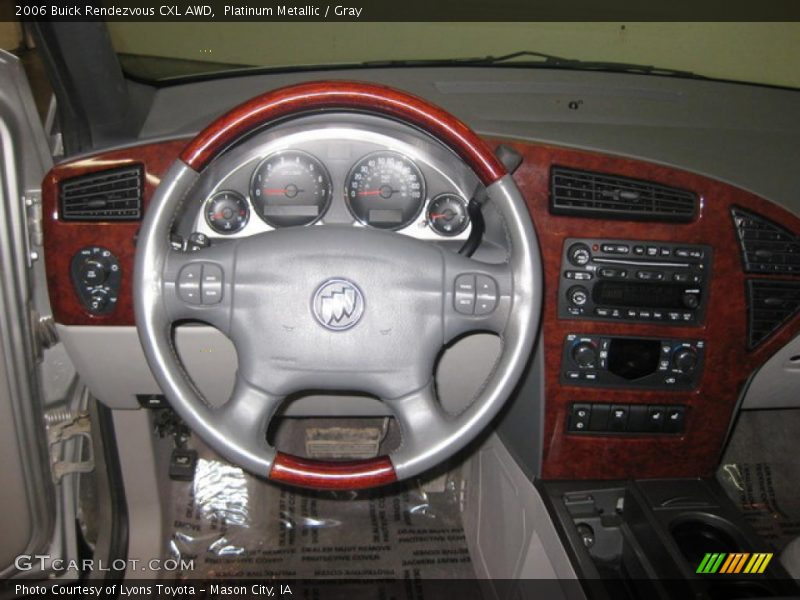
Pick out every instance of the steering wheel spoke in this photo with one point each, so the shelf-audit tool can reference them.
(198, 285)
(248, 412)
(478, 296)
(422, 421)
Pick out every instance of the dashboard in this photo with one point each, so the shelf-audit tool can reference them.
(726, 269)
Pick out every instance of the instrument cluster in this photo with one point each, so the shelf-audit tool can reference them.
(361, 170)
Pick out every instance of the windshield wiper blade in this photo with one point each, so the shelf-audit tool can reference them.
(544, 61)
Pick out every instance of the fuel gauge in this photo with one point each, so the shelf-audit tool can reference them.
(227, 212)
(447, 214)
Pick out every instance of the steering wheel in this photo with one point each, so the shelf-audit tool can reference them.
(335, 307)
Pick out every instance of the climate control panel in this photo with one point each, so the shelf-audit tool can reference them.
(96, 276)
(632, 362)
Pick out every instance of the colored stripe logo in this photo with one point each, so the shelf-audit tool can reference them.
(735, 562)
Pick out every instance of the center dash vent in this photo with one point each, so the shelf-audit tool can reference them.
(766, 246)
(590, 194)
(770, 303)
(110, 195)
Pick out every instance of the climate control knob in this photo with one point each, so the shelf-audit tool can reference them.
(578, 295)
(584, 354)
(579, 254)
(684, 360)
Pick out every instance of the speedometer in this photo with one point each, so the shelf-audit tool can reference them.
(290, 188)
(385, 190)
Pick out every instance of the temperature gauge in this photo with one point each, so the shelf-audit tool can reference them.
(227, 212)
(447, 214)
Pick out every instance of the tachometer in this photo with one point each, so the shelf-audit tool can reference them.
(290, 188)
(227, 212)
(385, 190)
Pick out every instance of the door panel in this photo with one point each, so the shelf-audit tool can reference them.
(27, 495)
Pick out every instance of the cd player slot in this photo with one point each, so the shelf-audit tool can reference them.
(642, 263)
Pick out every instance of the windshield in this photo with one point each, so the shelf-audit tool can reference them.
(159, 51)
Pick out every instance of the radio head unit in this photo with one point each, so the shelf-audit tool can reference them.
(639, 281)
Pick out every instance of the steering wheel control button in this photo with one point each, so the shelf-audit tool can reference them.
(189, 283)
(211, 286)
(338, 304)
(96, 276)
(464, 299)
(486, 295)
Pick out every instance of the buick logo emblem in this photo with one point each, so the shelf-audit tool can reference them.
(338, 304)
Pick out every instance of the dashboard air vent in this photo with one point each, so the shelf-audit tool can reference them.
(766, 246)
(590, 194)
(111, 195)
(770, 303)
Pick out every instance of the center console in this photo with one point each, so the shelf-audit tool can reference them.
(656, 538)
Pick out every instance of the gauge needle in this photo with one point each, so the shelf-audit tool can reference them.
(384, 191)
(279, 191)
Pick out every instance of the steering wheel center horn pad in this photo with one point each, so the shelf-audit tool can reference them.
(336, 307)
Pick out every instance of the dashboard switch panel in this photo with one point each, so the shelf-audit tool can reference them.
(632, 362)
(616, 419)
(96, 277)
(640, 281)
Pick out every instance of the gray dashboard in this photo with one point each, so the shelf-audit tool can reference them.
(745, 135)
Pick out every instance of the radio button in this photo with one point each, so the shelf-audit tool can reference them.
(579, 254)
(689, 253)
(615, 248)
(609, 273)
(578, 275)
(650, 275)
(691, 300)
(578, 295)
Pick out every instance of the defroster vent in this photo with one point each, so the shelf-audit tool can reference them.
(590, 194)
(766, 246)
(770, 303)
(110, 195)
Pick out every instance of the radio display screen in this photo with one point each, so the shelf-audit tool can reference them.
(638, 295)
